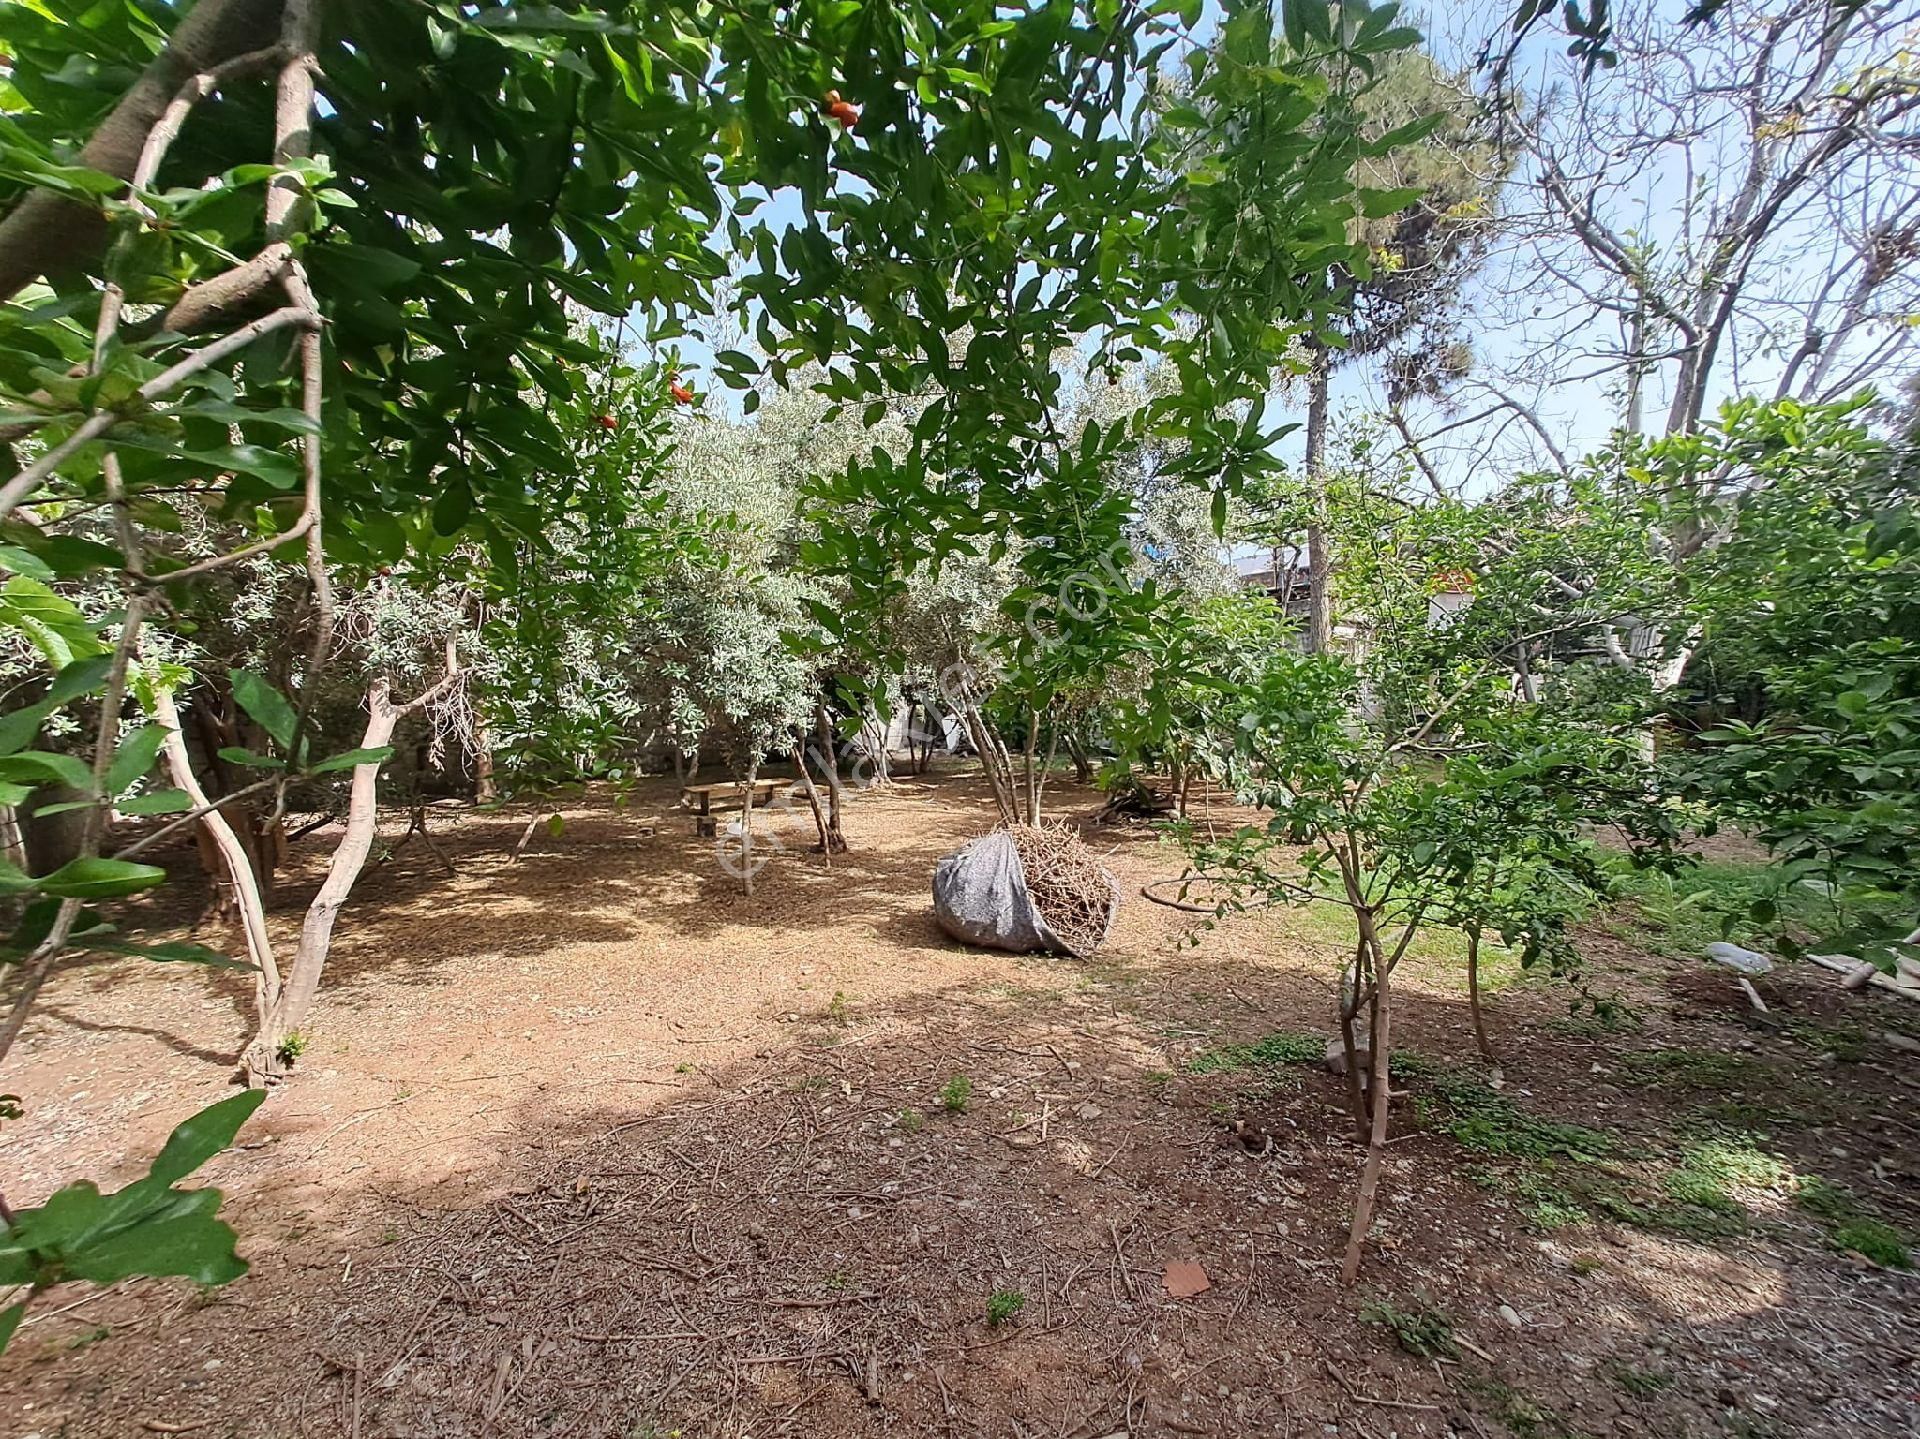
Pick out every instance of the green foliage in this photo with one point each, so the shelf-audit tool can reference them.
(1421, 1330)
(1269, 1053)
(150, 1227)
(1692, 1069)
(956, 1094)
(292, 1047)
(1872, 1239)
(1003, 1306)
(1811, 613)
(1851, 1227)
(1708, 1173)
(1487, 1122)
(910, 1121)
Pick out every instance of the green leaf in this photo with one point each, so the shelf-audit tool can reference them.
(9, 1321)
(173, 951)
(157, 801)
(270, 709)
(378, 754)
(234, 754)
(100, 879)
(198, 1138)
(42, 766)
(134, 757)
(192, 1246)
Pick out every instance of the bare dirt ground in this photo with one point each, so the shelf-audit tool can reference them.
(593, 1145)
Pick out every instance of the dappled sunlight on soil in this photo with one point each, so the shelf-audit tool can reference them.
(594, 1144)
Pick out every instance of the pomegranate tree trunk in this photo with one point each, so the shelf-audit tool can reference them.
(268, 1057)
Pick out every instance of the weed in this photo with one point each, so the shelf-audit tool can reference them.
(1422, 1331)
(1158, 1081)
(1585, 1264)
(1846, 1042)
(1709, 1172)
(1871, 1239)
(837, 1007)
(1825, 1201)
(955, 1096)
(1483, 1120)
(89, 1338)
(1851, 1226)
(685, 1066)
(1590, 1015)
(1521, 1415)
(1003, 1305)
(1277, 1049)
(1640, 1383)
(1691, 1069)
(390, 1235)
(291, 1048)
(1556, 1214)
(811, 1084)
(911, 1121)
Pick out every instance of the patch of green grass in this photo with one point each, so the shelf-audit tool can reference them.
(1591, 1016)
(1640, 1383)
(911, 1121)
(90, 1337)
(1282, 1047)
(1710, 1171)
(1844, 1042)
(1679, 915)
(1485, 1121)
(1421, 1330)
(1852, 1226)
(1886, 1246)
(1691, 1069)
(956, 1095)
(1523, 1416)
(1003, 1305)
(1746, 1116)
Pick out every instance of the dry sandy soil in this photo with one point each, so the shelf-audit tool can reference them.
(592, 1145)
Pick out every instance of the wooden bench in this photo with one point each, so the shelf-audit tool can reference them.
(711, 799)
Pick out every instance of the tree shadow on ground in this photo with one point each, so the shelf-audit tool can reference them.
(833, 1236)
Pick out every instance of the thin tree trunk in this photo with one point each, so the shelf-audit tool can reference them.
(829, 762)
(267, 1056)
(1319, 636)
(484, 789)
(1473, 997)
(1349, 1011)
(746, 825)
(240, 876)
(1380, 1099)
(830, 840)
(994, 762)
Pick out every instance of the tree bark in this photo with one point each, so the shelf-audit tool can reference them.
(238, 863)
(1379, 1099)
(829, 761)
(813, 796)
(46, 230)
(484, 789)
(266, 1057)
(1319, 636)
(1473, 997)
